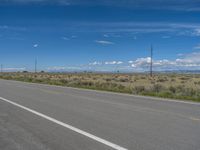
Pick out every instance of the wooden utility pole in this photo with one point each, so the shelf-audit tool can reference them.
(151, 63)
(35, 65)
(1, 68)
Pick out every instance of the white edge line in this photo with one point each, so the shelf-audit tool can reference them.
(108, 92)
(112, 145)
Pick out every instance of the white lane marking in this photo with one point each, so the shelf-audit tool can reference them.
(112, 145)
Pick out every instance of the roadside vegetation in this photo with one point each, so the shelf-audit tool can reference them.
(176, 86)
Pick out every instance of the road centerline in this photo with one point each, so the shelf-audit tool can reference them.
(91, 136)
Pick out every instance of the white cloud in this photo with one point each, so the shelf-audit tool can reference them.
(141, 62)
(189, 61)
(35, 45)
(193, 58)
(183, 62)
(67, 68)
(95, 63)
(119, 62)
(113, 62)
(104, 42)
(130, 61)
(56, 68)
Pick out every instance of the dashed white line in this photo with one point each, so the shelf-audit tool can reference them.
(91, 136)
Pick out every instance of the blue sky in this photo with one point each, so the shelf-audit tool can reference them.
(100, 35)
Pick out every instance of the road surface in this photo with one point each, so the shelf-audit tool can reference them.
(42, 117)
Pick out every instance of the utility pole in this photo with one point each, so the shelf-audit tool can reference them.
(36, 65)
(1, 68)
(151, 63)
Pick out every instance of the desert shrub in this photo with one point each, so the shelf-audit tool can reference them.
(162, 80)
(64, 81)
(138, 89)
(123, 80)
(189, 92)
(184, 78)
(108, 79)
(173, 80)
(121, 87)
(8, 77)
(157, 88)
(172, 89)
(165, 94)
(28, 79)
(143, 77)
(87, 83)
(38, 80)
(183, 82)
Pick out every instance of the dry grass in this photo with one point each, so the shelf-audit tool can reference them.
(178, 86)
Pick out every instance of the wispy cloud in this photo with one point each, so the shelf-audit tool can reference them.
(65, 38)
(197, 31)
(180, 5)
(135, 37)
(180, 54)
(106, 35)
(12, 28)
(118, 29)
(60, 2)
(3, 27)
(104, 42)
(68, 38)
(14, 69)
(166, 37)
(64, 2)
(197, 47)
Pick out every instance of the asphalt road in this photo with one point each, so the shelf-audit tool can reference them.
(44, 117)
